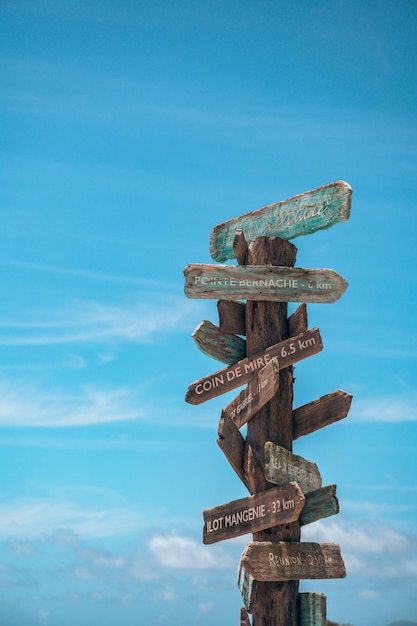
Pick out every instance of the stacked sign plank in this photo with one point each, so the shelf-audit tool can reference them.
(259, 344)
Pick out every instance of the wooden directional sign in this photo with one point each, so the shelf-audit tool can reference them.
(288, 352)
(300, 215)
(322, 412)
(270, 561)
(258, 392)
(256, 282)
(281, 467)
(272, 507)
(232, 444)
(214, 342)
(319, 504)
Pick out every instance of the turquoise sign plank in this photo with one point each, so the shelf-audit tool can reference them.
(312, 608)
(303, 214)
(224, 347)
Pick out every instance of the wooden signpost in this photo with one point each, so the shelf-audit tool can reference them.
(260, 344)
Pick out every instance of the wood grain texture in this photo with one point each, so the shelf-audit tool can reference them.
(282, 466)
(267, 324)
(280, 505)
(232, 316)
(292, 560)
(288, 352)
(319, 504)
(244, 617)
(232, 444)
(321, 412)
(298, 321)
(258, 392)
(240, 247)
(302, 214)
(263, 283)
(312, 608)
(217, 344)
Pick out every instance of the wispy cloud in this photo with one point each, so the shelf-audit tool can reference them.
(389, 408)
(26, 405)
(377, 509)
(130, 109)
(177, 552)
(25, 521)
(82, 273)
(96, 322)
(369, 551)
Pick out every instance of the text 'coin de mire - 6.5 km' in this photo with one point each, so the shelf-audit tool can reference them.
(259, 343)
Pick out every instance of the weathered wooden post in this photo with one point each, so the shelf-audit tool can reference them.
(286, 490)
(267, 324)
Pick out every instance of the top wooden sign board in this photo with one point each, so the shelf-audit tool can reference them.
(303, 214)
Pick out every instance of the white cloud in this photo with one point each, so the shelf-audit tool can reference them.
(382, 539)
(173, 551)
(86, 274)
(102, 564)
(369, 594)
(371, 551)
(376, 509)
(167, 595)
(26, 405)
(32, 518)
(95, 322)
(393, 408)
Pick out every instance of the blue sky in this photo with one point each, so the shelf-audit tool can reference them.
(129, 130)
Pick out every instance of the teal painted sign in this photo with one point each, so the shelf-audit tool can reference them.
(303, 214)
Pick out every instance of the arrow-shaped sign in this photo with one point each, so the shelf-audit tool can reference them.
(257, 282)
(282, 466)
(280, 505)
(258, 392)
(270, 561)
(321, 412)
(300, 215)
(319, 504)
(288, 352)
